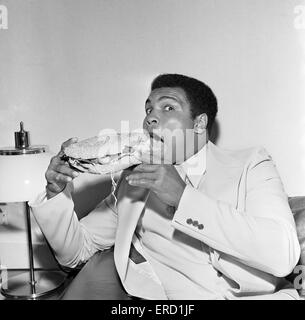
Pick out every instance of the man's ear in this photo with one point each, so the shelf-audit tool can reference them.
(200, 123)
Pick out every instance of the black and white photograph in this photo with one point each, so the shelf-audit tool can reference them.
(152, 150)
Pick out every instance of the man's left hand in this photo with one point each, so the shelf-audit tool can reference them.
(163, 180)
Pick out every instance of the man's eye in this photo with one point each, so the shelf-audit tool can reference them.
(168, 107)
(148, 111)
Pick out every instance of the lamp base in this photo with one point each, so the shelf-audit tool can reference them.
(20, 287)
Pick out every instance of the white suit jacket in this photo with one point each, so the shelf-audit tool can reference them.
(240, 204)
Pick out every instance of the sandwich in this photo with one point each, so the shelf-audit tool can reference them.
(110, 153)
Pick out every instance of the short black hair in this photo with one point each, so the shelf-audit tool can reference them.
(200, 96)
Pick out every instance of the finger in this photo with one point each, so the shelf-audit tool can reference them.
(143, 167)
(142, 175)
(58, 177)
(144, 183)
(66, 170)
(56, 160)
(55, 187)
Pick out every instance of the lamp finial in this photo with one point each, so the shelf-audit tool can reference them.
(21, 138)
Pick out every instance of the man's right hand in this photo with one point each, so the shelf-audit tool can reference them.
(59, 172)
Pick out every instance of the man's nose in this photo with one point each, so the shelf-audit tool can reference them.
(152, 121)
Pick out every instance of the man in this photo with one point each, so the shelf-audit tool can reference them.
(214, 224)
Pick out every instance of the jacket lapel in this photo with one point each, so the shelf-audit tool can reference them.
(130, 206)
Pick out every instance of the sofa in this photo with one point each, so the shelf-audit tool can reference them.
(297, 205)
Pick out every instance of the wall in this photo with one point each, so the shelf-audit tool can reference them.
(72, 67)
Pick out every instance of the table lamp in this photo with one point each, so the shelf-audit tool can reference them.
(22, 170)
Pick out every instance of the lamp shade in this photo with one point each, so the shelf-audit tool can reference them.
(22, 176)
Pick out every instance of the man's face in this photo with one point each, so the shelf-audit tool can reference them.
(168, 115)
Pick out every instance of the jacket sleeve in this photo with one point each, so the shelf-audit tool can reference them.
(262, 236)
(74, 241)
